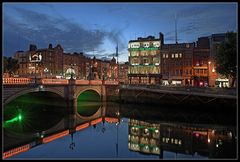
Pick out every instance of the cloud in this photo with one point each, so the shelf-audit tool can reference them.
(42, 29)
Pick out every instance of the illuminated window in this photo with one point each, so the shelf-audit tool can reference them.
(146, 44)
(145, 61)
(172, 55)
(163, 55)
(163, 139)
(166, 55)
(180, 55)
(176, 141)
(176, 55)
(153, 53)
(180, 142)
(155, 60)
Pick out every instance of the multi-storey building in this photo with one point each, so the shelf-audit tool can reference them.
(176, 64)
(204, 66)
(123, 73)
(53, 62)
(39, 62)
(201, 62)
(144, 60)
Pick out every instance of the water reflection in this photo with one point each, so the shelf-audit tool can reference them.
(124, 131)
(154, 138)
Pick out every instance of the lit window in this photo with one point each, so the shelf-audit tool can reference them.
(176, 55)
(166, 55)
(163, 55)
(180, 142)
(176, 141)
(180, 55)
(172, 55)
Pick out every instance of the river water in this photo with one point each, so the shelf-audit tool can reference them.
(123, 131)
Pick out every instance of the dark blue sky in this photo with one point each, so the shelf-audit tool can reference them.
(96, 28)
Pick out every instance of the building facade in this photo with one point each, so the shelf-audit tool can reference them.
(176, 64)
(123, 73)
(144, 60)
(201, 62)
(54, 63)
(204, 65)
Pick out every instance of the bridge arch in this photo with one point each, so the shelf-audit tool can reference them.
(23, 92)
(80, 91)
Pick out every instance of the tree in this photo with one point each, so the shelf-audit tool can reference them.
(226, 57)
(10, 65)
(5, 64)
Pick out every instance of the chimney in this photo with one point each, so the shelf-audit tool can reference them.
(50, 46)
(161, 37)
(32, 47)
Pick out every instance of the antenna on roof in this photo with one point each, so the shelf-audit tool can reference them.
(176, 28)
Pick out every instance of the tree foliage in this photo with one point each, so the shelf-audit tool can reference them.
(10, 65)
(226, 57)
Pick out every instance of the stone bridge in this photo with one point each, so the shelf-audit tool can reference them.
(69, 90)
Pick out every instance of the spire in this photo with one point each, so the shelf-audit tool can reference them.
(117, 52)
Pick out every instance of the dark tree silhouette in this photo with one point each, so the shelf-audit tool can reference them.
(226, 57)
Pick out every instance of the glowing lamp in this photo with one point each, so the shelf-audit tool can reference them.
(209, 140)
(19, 117)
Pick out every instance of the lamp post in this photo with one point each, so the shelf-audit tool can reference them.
(72, 70)
(117, 124)
(45, 71)
(209, 63)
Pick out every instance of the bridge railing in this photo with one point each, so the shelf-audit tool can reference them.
(110, 82)
(12, 81)
(54, 81)
(82, 82)
(95, 82)
(18, 81)
(208, 90)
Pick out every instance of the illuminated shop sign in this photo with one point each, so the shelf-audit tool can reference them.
(35, 57)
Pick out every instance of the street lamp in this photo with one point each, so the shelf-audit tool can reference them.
(45, 71)
(72, 70)
(209, 63)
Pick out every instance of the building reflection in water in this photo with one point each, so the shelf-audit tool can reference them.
(154, 138)
(148, 137)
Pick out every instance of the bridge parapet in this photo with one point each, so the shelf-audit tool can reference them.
(95, 82)
(110, 82)
(82, 82)
(18, 81)
(54, 81)
(204, 90)
(44, 81)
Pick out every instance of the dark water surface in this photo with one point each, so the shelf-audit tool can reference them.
(124, 132)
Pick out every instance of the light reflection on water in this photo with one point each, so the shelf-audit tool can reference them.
(105, 140)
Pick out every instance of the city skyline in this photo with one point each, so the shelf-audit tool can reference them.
(96, 31)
